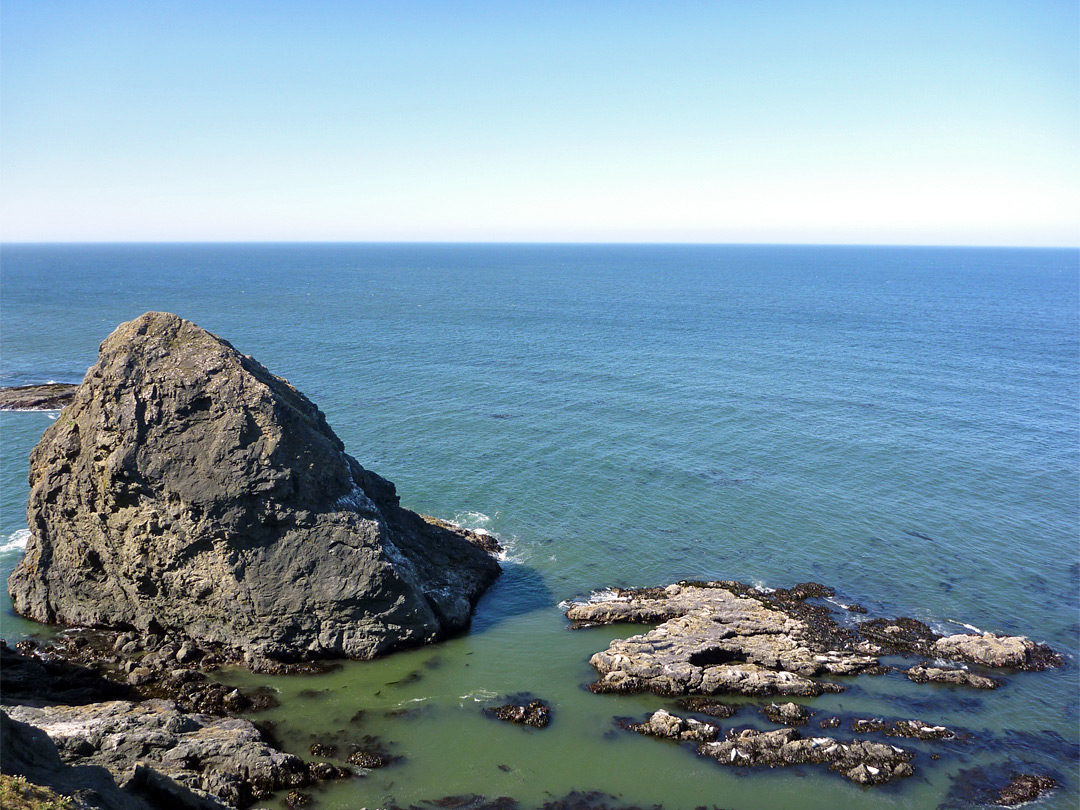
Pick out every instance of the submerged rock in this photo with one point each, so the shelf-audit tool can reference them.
(1024, 787)
(713, 708)
(997, 785)
(187, 489)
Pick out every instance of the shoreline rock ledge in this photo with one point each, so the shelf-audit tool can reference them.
(187, 490)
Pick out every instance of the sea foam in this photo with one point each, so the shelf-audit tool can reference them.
(16, 541)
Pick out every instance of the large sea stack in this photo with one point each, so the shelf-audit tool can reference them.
(187, 490)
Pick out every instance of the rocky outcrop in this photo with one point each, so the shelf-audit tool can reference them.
(906, 635)
(867, 763)
(786, 714)
(708, 706)
(47, 397)
(990, 650)
(523, 710)
(715, 637)
(997, 785)
(28, 753)
(152, 748)
(670, 726)
(927, 673)
(916, 729)
(188, 490)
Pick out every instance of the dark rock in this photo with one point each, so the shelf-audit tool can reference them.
(33, 677)
(901, 635)
(47, 397)
(788, 714)
(323, 750)
(1002, 786)
(488, 542)
(297, 799)
(187, 490)
(1024, 787)
(713, 708)
(869, 726)
(915, 729)
(324, 771)
(368, 759)
(522, 710)
(829, 722)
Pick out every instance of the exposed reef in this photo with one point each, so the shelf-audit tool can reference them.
(720, 637)
(153, 748)
(928, 673)
(187, 490)
(726, 637)
(867, 763)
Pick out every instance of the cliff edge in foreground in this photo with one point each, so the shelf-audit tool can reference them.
(188, 490)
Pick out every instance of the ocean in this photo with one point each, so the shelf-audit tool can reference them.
(902, 424)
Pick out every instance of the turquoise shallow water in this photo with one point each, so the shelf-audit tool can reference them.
(899, 423)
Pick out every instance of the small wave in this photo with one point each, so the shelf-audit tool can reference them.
(970, 627)
(948, 627)
(607, 595)
(760, 587)
(511, 552)
(942, 662)
(16, 540)
(602, 595)
(471, 519)
(480, 695)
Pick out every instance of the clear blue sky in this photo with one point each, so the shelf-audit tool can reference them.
(727, 121)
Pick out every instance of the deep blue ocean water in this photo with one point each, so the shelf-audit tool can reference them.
(900, 423)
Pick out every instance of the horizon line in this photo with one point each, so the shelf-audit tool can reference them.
(552, 243)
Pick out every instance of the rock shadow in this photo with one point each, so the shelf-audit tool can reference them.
(519, 591)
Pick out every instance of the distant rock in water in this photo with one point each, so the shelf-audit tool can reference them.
(47, 397)
(186, 489)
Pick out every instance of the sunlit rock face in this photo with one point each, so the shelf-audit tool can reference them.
(187, 489)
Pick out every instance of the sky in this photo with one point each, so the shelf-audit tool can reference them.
(749, 121)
